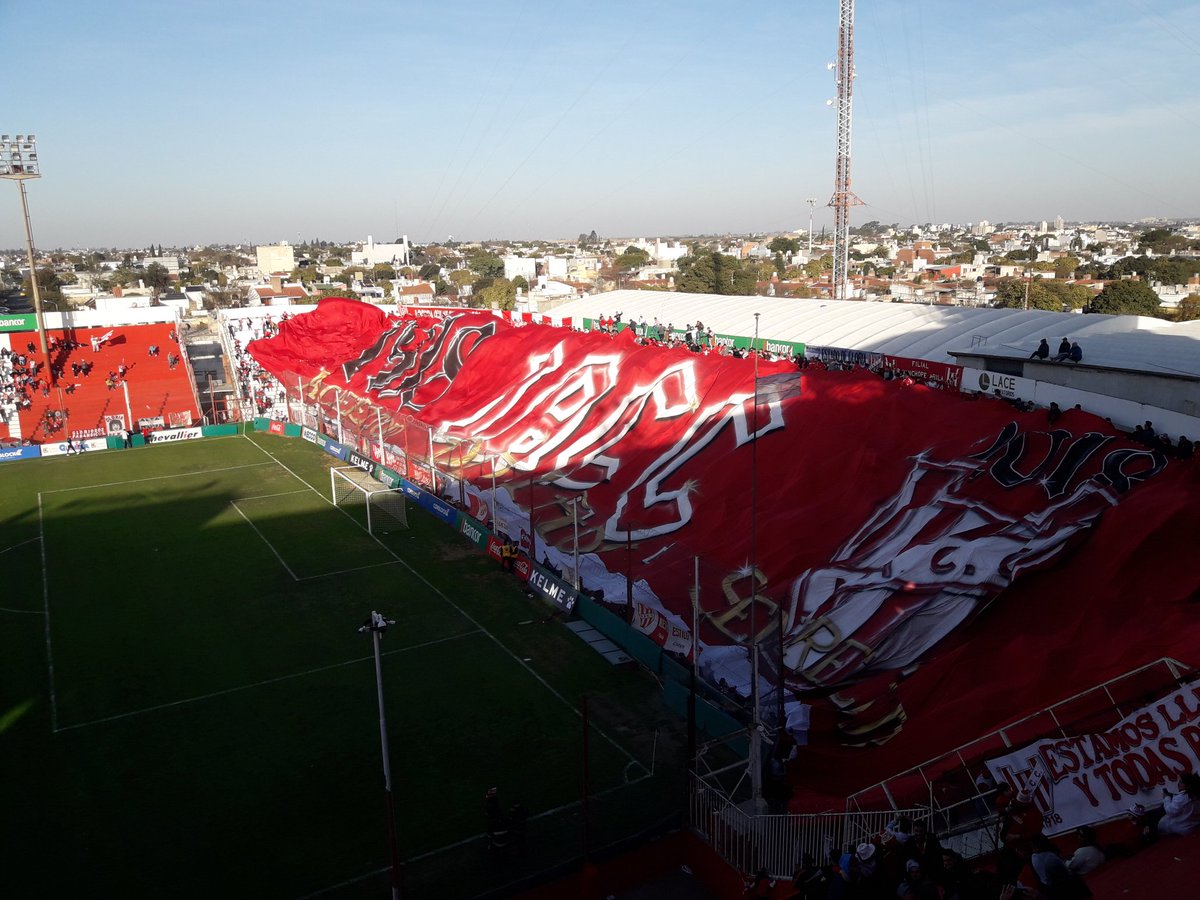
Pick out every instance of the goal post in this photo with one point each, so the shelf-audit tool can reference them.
(385, 506)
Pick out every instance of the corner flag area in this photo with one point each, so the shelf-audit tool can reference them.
(188, 708)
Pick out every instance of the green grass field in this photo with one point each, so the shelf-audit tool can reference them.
(189, 711)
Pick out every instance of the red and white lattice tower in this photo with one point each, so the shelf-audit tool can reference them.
(843, 198)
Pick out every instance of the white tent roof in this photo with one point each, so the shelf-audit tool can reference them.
(913, 330)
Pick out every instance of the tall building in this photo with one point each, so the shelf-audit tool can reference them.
(372, 254)
(1059, 224)
(273, 258)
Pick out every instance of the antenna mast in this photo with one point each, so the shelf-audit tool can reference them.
(843, 197)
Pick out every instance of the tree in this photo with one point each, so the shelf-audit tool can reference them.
(1127, 298)
(1011, 294)
(501, 293)
(632, 258)
(382, 272)
(520, 284)
(1189, 308)
(485, 264)
(814, 267)
(1162, 240)
(429, 271)
(709, 272)
(49, 286)
(1065, 266)
(784, 245)
(461, 277)
(304, 274)
(156, 277)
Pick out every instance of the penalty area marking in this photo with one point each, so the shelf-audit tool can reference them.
(22, 544)
(88, 487)
(462, 612)
(263, 537)
(390, 562)
(266, 496)
(264, 683)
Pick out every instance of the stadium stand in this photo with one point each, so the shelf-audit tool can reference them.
(94, 367)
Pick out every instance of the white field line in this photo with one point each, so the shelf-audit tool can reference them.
(29, 612)
(270, 546)
(22, 544)
(46, 612)
(344, 571)
(88, 487)
(247, 687)
(265, 496)
(462, 612)
(464, 842)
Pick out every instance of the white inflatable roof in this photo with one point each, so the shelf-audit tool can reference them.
(913, 330)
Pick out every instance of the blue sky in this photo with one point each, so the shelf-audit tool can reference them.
(253, 121)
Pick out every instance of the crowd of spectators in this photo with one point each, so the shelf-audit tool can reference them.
(908, 861)
(23, 379)
(256, 385)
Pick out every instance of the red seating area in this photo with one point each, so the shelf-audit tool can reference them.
(155, 388)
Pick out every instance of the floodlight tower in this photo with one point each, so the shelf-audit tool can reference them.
(19, 162)
(843, 198)
(812, 205)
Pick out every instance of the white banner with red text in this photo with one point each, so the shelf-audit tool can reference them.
(1095, 777)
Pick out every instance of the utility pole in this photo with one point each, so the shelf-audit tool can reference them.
(843, 198)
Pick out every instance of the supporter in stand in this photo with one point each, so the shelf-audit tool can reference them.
(1020, 821)
(1180, 812)
(1089, 857)
(810, 881)
(916, 884)
(925, 849)
(1056, 880)
(953, 877)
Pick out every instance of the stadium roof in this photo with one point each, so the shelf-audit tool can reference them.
(915, 330)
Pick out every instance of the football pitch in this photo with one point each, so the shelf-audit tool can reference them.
(187, 708)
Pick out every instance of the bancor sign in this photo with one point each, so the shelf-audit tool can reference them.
(997, 383)
(18, 323)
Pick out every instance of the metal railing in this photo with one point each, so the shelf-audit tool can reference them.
(949, 788)
(748, 841)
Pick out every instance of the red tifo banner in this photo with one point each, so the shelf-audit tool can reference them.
(896, 525)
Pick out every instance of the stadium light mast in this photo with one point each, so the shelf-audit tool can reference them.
(843, 198)
(19, 162)
(377, 626)
(812, 205)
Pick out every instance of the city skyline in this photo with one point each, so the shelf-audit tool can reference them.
(222, 123)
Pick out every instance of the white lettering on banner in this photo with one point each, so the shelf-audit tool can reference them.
(922, 564)
(10, 454)
(471, 531)
(1090, 778)
(544, 415)
(179, 434)
(702, 431)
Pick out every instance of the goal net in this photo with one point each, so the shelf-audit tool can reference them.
(350, 486)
